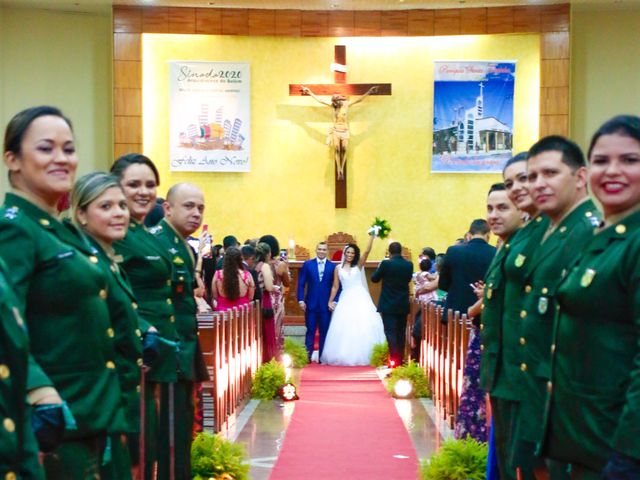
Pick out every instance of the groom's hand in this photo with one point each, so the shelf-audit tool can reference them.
(332, 306)
(303, 306)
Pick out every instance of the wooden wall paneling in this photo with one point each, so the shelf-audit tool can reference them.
(120, 149)
(182, 20)
(526, 19)
(155, 20)
(128, 129)
(127, 46)
(127, 19)
(500, 20)
(262, 22)
(127, 101)
(554, 100)
(420, 23)
(473, 21)
(314, 23)
(554, 125)
(554, 45)
(288, 23)
(554, 73)
(235, 21)
(447, 22)
(367, 23)
(341, 23)
(208, 21)
(127, 74)
(394, 23)
(555, 18)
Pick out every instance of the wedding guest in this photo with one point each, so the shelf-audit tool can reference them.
(266, 281)
(248, 252)
(593, 417)
(233, 285)
(100, 209)
(145, 262)
(56, 276)
(281, 280)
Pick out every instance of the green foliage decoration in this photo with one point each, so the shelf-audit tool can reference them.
(379, 355)
(457, 460)
(297, 351)
(268, 379)
(414, 373)
(213, 457)
(385, 228)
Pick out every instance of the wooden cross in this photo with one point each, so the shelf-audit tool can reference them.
(340, 87)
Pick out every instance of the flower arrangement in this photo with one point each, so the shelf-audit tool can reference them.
(413, 373)
(380, 228)
(457, 460)
(268, 380)
(379, 355)
(296, 351)
(213, 457)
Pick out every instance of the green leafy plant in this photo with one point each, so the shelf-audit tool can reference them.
(414, 373)
(268, 379)
(297, 351)
(379, 355)
(457, 460)
(213, 457)
(384, 227)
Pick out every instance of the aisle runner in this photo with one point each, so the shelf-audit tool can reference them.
(345, 425)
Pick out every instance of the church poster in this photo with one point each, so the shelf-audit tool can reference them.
(472, 116)
(209, 125)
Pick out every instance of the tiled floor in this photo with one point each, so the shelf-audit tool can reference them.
(262, 425)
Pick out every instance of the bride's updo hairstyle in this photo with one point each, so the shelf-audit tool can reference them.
(356, 256)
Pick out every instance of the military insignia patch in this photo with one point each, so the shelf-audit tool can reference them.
(587, 277)
(173, 251)
(178, 261)
(543, 305)
(490, 293)
(11, 213)
(520, 259)
(156, 229)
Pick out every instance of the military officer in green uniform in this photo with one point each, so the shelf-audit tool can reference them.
(18, 447)
(61, 293)
(184, 207)
(149, 270)
(100, 208)
(557, 179)
(593, 416)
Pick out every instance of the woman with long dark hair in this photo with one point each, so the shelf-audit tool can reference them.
(233, 285)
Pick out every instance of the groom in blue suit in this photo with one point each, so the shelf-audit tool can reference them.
(317, 276)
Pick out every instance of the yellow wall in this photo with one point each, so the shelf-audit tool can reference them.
(605, 68)
(62, 59)
(290, 190)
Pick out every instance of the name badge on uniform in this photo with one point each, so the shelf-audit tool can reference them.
(178, 261)
(520, 260)
(543, 304)
(152, 258)
(587, 277)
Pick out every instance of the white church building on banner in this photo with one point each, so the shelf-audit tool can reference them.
(473, 133)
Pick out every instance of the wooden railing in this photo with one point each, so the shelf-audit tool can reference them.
(443, 353)
(231, 343)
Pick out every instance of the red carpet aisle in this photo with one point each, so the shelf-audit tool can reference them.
(345, 425)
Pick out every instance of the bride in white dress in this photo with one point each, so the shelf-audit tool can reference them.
(355, 326)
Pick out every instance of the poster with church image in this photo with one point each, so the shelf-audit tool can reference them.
(209, 113)
(472, 116)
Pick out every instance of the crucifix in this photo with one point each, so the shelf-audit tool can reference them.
(339, 91)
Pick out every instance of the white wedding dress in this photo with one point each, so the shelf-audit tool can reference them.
(355, 325)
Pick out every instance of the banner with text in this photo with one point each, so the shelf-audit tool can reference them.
(472, 116)
(209, 112)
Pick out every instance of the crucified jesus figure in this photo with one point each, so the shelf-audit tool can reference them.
(339, 134)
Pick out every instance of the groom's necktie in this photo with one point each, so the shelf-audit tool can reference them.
(320, 269)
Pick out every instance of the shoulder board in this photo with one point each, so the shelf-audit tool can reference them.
(155, 230)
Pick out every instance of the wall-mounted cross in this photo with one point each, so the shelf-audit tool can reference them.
(339, 91)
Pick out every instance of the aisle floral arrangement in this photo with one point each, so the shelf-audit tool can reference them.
(297, 352)
(414, 374)
(214, 458)
(379, 355)
(457, 460)
(269, 378)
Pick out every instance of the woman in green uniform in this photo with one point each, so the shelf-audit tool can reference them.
(149, 271)
(61, 292)
(593, 416)
(99, 207)
(18, 448)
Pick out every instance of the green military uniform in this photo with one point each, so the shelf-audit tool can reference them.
(594, 407)
(189, 358)
(149, 271)
(127, 335)
(548, 266)
(18, 447)
(499, 334)
(62, 294)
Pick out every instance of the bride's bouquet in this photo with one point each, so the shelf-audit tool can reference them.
(380, 228)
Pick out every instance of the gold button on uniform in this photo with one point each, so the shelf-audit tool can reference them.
(172, 319)
(4, 372)
(168, 283)
(181, 279)
(545, 290)
(563, 229)
(523, 341)
(527, 289)
(553, 347)
(110, 332)
(539, 219)
(138, 332)
(523, 367)
(10, 476)
(482, 326)
(138, 388)
(481, 347)
(169, 302)
(8, 425)
(44, 222)
(111, 365)
(620, 229)
(134, 305)
(588, 214)
(549, 386)
(103, 294)
(523, 314)
(93, 259)
(139, 362)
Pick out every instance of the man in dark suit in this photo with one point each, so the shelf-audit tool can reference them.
(463, 266)
(317, 276)
(395, 273)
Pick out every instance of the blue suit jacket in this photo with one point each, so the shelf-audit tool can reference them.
(317, 292)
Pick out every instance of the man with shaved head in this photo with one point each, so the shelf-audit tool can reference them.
(183, 210)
